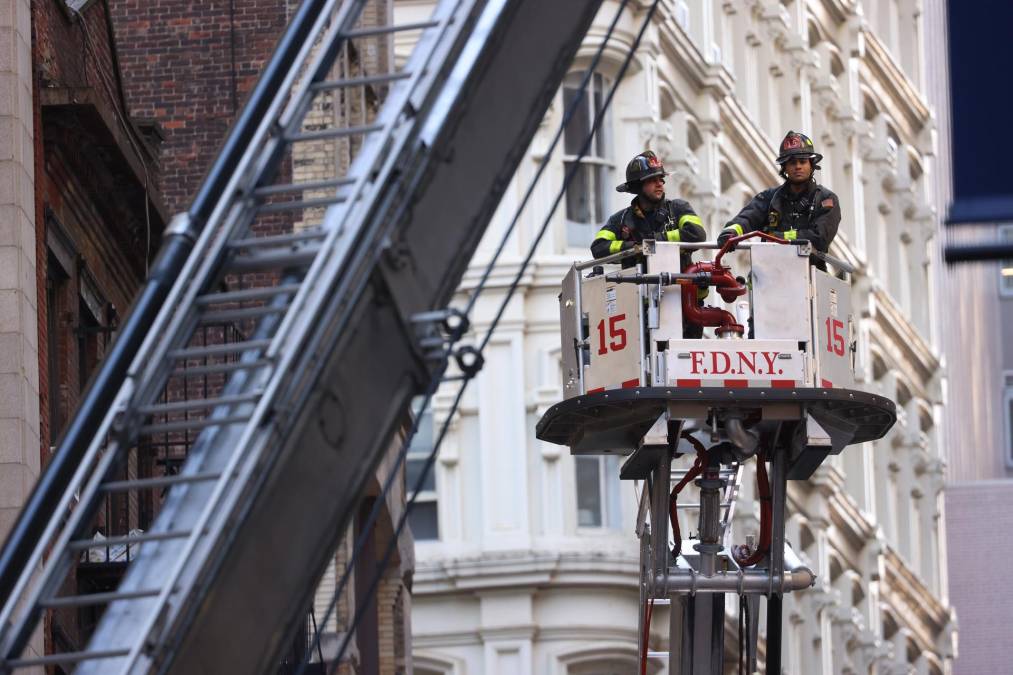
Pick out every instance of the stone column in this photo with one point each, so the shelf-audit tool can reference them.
(20, 446)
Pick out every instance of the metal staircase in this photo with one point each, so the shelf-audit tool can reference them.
(347, 200)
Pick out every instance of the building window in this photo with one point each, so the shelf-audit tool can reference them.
(1007, 413)
(422, 516)
(1006, 266)
(598, 492)
(586, 197)
(56, 290)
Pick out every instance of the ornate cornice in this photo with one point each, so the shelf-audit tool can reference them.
(684, 55)
(904, 95)
(903, 340)
(907, 595)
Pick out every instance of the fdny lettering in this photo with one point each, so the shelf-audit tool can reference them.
(737, 363)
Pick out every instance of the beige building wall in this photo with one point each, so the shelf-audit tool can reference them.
(519, 580)
(977, 334)
(20, 450)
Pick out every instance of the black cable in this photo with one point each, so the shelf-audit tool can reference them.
(316, 631)
(568, 177)
(567, 116)
(392, 544)
(430, 460)
(436, 380)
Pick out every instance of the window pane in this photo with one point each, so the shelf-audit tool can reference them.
(422, 519)
(580, 235)
(578, 195)
(601, 136)
(601, 175)
(413, 467)
(579, 125)
(1009, 425)
(588, 492)
(612, 487)
(423, 441)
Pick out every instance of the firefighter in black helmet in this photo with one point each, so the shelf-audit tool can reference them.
(649, 215)
(800, 209)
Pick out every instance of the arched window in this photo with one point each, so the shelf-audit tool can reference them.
(609, 663)
(586, 196)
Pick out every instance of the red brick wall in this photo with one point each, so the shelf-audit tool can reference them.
(189, 66)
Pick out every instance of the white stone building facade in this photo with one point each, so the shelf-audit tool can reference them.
(526, 557)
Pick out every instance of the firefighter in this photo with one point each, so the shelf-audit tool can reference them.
(799, 209)
(649, 215)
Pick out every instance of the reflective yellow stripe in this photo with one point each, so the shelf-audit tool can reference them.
(673, 235)
(688, 218)
(615, 246)
(737, 228)
(607, 235)
(790, 235)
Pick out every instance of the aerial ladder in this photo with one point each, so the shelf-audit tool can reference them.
(339, 285)
(770, 381)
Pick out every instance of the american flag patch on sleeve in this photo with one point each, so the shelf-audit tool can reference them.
(828, 202)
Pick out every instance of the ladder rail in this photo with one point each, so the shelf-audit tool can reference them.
(334, 251)
(228, 211)
(50, 576)
(229, 217)
(143, 363)
(337, 255)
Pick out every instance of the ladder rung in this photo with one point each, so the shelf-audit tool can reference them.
(228, 315)
(245, 295)
(221, 368)
(360, 81)
(267, 190)
(383, 30)
(218, 350)
(657, 655)
(194, 424)
(98, 598)
(277, 207)
(68, 657)
(88, 544)
(323, 134)
(257, 262)
(198, 403)
(279, 239)
(160, 481)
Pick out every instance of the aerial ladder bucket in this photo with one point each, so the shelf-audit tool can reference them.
(770, 378)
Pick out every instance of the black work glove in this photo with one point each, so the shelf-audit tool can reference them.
(725, 236)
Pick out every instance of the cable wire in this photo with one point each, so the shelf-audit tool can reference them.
(441, 370)
(444, 361)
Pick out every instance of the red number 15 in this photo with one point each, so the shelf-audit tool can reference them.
(618, 335)
(835, 341)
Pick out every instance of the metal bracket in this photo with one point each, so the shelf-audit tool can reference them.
(437, 330)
